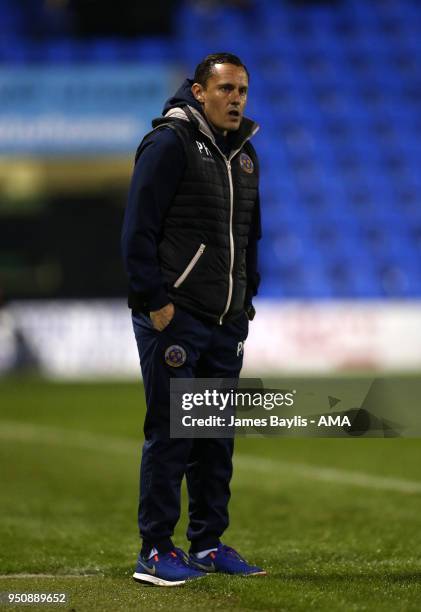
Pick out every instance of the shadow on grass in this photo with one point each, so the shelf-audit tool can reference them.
(364, 576)
(396, 577)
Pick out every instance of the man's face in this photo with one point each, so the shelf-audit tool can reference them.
(224, 97)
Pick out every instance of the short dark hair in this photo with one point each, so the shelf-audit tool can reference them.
(204, 70)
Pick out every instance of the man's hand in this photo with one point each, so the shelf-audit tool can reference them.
(161, 318)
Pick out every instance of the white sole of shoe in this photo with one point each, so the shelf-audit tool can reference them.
(149, 579)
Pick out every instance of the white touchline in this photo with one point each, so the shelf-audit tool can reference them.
(55, 576)
(30, 432)
(330, 475)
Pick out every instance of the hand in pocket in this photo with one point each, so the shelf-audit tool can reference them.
(162, 317)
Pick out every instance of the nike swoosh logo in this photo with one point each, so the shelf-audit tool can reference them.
(150, 570)
(207, 568)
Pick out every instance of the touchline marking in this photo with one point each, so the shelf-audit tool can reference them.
(13, 576)
(29, 432)
(331, 475)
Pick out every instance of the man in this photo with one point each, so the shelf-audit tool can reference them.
(190, 249)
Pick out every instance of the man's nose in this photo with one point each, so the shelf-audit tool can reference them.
(235, 97)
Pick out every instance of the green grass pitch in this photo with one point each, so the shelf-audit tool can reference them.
(336, 522)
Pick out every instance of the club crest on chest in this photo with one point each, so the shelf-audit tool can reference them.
(246, 163)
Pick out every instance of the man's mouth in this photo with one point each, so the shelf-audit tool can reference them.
(234, 113)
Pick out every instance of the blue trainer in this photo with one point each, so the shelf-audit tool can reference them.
(169, 569)
(225, 560)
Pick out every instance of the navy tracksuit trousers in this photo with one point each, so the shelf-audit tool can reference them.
(212, 351)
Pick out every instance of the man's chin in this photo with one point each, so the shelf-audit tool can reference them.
(230, 126)
(233, 127)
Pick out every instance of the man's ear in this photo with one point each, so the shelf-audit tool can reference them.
(197, 91)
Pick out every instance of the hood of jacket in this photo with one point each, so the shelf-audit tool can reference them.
(182, 97)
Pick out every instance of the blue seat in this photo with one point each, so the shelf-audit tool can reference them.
(14, 50)
(61, 51)
(304, 280)
(352, 277)
(104, 50)
(153, 49)
(400, 278)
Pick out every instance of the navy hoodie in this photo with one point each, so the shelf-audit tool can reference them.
(153, 186)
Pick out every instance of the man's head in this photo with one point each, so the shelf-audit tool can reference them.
(221, 86)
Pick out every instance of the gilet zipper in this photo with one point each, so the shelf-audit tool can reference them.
(230, 279)
(190, 266)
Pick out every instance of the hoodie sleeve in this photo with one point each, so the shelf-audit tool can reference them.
(253, 276)
(159, 167)
(255, 234)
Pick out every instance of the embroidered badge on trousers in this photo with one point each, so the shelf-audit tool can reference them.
(175, 356)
